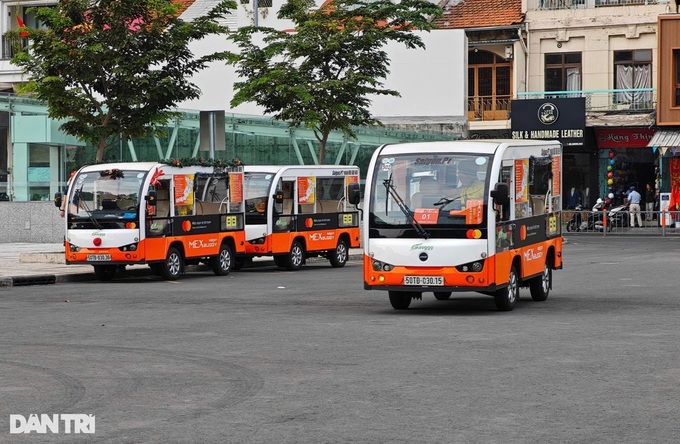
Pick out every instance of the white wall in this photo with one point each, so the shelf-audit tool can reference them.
(432, 81)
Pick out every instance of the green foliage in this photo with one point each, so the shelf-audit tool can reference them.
(323, 74)
(116, 66)
(201, 161)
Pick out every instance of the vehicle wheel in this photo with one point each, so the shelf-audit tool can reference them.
(296, 257)
(105, 272)
(338, 257)
(222, 263)
(238, 264)
(506, 298)
(173, 265)
(571, 226)
(281, 260)
(157, 268)
(540, 286)
(400, 300)
(442, 295)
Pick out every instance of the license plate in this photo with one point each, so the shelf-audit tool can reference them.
(424, 280)
(98, 257)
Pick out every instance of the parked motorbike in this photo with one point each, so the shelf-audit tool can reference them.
(574, 224)
(616, 217)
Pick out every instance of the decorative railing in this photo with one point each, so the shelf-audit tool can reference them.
(11, 45)
(537, 5)
(488, 107)
(637, 100)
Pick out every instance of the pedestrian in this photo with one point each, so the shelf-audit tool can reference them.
(650, 201)
(634, 199)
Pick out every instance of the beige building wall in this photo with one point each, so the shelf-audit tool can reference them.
(596, 33)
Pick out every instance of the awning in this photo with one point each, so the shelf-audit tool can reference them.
(667, 138)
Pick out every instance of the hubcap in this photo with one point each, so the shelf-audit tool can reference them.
(225, 260)
(296, 256)
(546, 279)
(342, 253)
(173, 264)
(512, 288)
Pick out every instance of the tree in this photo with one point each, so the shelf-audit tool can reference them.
(115, 67)
(323, 74)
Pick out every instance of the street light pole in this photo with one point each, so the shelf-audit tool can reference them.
(255, 14)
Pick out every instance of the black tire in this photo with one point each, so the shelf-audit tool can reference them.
(296, 257)
(506, 298)
(540, 285)
(281, 260)
(442, 295)
(400, 300)
(338, 257)
(157, 268)
(173, 265)
(222, 263)
(105, 272)
(238, 264)
(571, 226)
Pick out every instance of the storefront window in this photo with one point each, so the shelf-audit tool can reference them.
(39, 172)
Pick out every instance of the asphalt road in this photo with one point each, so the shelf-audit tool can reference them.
(268, 356)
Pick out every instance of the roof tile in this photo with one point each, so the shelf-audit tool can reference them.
(480, 14)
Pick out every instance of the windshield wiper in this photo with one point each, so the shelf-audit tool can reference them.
(405, 209)
(444, 201)
(78, 194)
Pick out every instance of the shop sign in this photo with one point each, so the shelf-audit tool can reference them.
(612, 138)
(549, 119)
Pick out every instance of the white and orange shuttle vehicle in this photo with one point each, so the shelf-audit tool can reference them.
(473, 215)
(165, 216)
(297, 211)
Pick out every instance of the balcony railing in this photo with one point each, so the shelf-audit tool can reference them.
(637, 100)
(11, 45)
(622, 101)
(573, 4)
(488, 107)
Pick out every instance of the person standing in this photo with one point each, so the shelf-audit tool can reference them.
(650, 198)
(634, 199)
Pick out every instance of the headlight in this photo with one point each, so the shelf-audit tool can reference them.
(474, 267)
(381, 266)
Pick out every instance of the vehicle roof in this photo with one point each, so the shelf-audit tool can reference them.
(481, 146)
(147, 166)
(276, 168)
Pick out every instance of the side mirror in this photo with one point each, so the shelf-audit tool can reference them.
(151, 198)
(353, 193)
(501, 194)
(278, 197)
(57, 200)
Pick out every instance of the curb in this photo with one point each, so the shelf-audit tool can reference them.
(48, 279)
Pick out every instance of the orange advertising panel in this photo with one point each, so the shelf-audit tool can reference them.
(184, 189)
(521, 180)
(674, 173)
(306, 190)
(556, 176)
(426, 216)
(236, 187)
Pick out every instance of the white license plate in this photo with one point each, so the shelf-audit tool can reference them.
(98, 257)
(424, 280)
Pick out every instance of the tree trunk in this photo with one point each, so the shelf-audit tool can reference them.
(322, 147)
(101, 146)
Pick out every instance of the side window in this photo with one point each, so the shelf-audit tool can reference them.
(633, 71)
(563, 72)
(329, 191)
